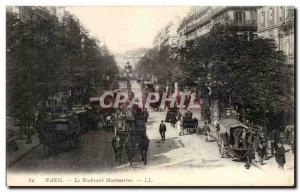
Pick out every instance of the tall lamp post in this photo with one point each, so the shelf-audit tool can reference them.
(128, 69)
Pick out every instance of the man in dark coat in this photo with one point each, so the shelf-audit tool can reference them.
(218, 129)
(117, 147)
(144, 145)
(173, 119)
(288, 135)
(162, 130)
(261, 149)
(146, 115)
(273, 141)
(206, 130)
(280, 155)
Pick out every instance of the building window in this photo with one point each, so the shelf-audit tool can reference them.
(239, 17)
(281, 14)
(290, 12)
(287, 48)
(253, 16)
(262, 19)
(271, 16)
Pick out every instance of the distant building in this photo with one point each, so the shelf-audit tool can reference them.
(277, 23)
(132, 57)
(200, 21)
(167, 36)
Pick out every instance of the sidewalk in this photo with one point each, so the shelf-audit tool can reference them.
(23, 150)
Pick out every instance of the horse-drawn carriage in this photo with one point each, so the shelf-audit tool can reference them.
(233, 139)
(60, 133)
(130, 133)
(172, 116)
(188, 124)
(148, 86)
(101, 118)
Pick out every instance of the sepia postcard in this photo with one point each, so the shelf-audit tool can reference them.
(123, 96)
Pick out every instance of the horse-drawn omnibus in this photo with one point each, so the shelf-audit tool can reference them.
(130, 132)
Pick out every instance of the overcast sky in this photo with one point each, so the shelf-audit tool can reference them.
(126, 28)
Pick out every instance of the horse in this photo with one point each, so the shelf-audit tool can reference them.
(117, 148)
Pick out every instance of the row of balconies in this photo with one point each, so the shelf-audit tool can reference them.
(206, 14)
(240, 24)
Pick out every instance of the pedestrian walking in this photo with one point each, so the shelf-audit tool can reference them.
(255, 145)
(144, 145)
(209, 118)
(282, 137)
(179, 126)
(218, 129)
(293, 142)
(206, 130)
(117, 147)
(146, 114)
(162, 130)
(273, 141)
(288, 135)
(261, 149)
(244, 138)
(280, 155)
(179, 116)
(250, 140)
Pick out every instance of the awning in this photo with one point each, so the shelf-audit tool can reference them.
(227, 123)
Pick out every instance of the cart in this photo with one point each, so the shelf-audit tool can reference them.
(171, 116)
(61, 133)
(229, 137)
(188, 126)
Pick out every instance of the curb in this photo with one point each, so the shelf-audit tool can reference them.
(11, 163)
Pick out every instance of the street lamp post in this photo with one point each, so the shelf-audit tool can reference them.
(128, 69)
